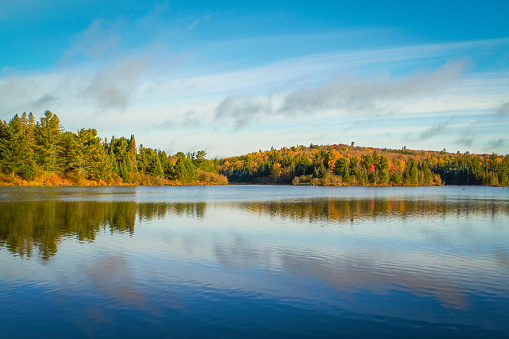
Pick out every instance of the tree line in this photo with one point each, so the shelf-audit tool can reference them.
(43, 152)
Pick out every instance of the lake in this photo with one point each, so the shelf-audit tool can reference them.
(254, 261)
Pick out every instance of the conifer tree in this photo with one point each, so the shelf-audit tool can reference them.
(142, 161)
(96, 162)
(132, 153)
(15, 151)
(184, 170)
(70, 152)
(384, 170)
(121, 150)
(113, 161)
(155, 167)
(47, 138)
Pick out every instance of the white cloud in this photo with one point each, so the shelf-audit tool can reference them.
(344, 94)
(133, 94)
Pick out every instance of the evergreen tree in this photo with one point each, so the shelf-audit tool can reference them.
(384, 170)
(155, 168)
(167, 165)
(47, 138)
(184, 169)
(113, 161)
(342, 167)
(346, 176)
(70, 152)
(96, 161)
(142, 160)
(15, 152)
(122, 152)
(202, 163)
(322, 172)
(133, 153)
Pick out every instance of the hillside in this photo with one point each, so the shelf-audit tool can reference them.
(343, 164)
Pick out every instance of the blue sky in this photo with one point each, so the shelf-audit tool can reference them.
(233, 77)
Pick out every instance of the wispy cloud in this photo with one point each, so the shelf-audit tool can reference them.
(243, 108)
(148, 36)
(347, 89)
(433, 130)
(344, 94)
(96, 41)
(503, 110)
(190, 119)
(114, 86)
(465, 139)
(370, 95)
(467, 134)
(44, 101)
(496, 143)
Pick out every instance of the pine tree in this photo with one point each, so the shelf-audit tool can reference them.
(47, 138)
(155, 167)
(122, 154)
(132, 153)
(70, 152)
(322, 172)
(384, 170)
(142, 161)
(15, 152)
(184, 169)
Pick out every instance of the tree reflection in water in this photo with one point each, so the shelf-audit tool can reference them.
(41, 225)
(349, 210)
(26, 226)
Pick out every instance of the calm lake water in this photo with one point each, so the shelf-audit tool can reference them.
(254, 261)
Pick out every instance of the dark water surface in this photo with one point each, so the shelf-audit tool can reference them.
(254, 261)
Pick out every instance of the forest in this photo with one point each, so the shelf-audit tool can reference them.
(43, 153)
(350, 165)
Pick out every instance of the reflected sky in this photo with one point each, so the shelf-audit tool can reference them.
(389, 259)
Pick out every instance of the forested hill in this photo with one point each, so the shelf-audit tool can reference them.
(43, 153)
(350, 165)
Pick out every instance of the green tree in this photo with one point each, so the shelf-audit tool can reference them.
(48, 132)
(184, 169)
(96, 163)
(122, 151)
(154, 167)
(384, 170)
(16, 156)
(132, 153)
(322, 172)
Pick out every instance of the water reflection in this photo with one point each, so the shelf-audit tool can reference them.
(344, 210)
(399, 264)
(41, 225)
